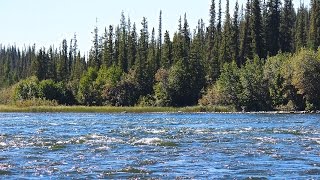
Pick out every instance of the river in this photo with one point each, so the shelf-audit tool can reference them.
(159, 146)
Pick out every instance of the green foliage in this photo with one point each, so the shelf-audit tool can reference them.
(254, 94)
(274, 75)
(242, 88)
(178, 84)
(7, 95)
(87, 93)
(32, 89)
(161, 89)
(306, 77)
(125, 93)
(27, 89)
(226, 90)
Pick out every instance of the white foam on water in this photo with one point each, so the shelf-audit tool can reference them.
(3, 144)
(149, 141)
(103, 148)
(156, 131)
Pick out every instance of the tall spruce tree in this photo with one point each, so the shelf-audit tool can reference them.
(225, 54)
(314, 30)
(142, 49)
(273, 27)
(94, 56)
(166, 58)
(152, 56)
(235, 35)
(301, 29)
(62, 65)
(159, 42)
(132, 47)
(287, 26)
(123, 50)
(256, 29)
(211, 65)
(245, 37)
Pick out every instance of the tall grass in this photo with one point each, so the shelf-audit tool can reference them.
(108, 109)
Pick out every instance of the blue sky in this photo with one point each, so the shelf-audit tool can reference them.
(48, 22)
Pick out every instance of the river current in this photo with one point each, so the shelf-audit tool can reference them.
(159, 146)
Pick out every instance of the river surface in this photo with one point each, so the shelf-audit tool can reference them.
(159, 146)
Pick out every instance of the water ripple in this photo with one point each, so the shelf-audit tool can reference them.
(159, 146)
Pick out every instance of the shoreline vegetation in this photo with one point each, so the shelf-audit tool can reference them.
(112, 109)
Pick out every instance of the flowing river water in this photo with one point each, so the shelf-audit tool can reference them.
(159, 146)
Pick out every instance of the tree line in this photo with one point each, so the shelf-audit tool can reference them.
(213, 64)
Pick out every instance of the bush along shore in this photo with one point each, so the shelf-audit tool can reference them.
(265, 58)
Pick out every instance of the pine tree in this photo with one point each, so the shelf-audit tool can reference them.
(51, 66)
(287, 27)
(95, 52)
(109, 58)
(201, 32)
(186, 38)
(166, 58)
(116, 49)
(214, 70)
(314, 30)
(62, 65)
(235, 35)
(122, 58)
(195, 67)
(159, 42)
(142, 49)
(132, 47)
(225, 54)
(245, 48)
(177, 44)
(210, 40)
(273, 27)
(256, 29)
(152, 56)
(301, 30)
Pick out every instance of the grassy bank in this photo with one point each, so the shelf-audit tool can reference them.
(107, 109)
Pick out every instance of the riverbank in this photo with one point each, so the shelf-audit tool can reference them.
(108, 109)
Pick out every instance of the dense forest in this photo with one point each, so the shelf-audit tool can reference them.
(263, 56)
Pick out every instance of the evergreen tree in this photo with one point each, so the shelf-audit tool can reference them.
(177, 44)
(225, 54)
(62, 65)
(94, 57)
(301, 30)
(196, 68)
(235, 35)
(132, 47)
(245, 48)
(211, 63)
(186, 38)
(273, 27)
(109, 56)
(122, 58)
(152, 56)
(314, 30)
(256, 29)
(166, 58)
(287, 26)
(116, 49)
(159, 42)
(142, 47)
(40, 64)
(215, 68)
(51, 65)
